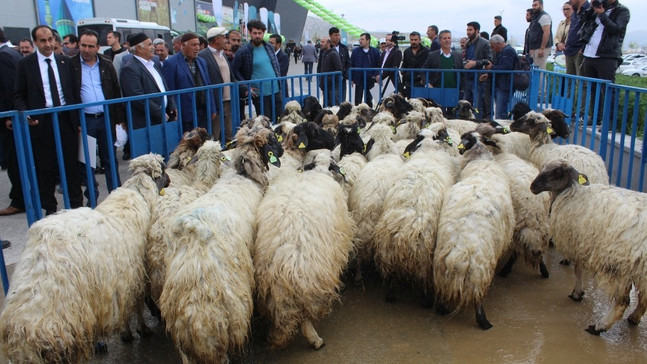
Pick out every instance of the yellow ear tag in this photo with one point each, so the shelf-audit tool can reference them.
(279, 137)
(302, 146)
(393, 129)
(341, 171)
(359, 130)
(461, 146)
(364, 148)
(549, 130)
(582, 180)
(187, 160)
(427, 125)
(272, 157)
(162, 191)
(506, 130)
(300, 170)
(406, 155)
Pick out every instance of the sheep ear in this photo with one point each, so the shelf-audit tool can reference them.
(490, 143)
(161, 182)
(309, 166)
(389, 103)
(580, 178)
(231, 144)
(413, 146)
(368, 146)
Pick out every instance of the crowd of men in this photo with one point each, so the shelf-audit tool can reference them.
(70, 70)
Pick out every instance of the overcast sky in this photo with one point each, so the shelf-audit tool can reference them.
(409, 15)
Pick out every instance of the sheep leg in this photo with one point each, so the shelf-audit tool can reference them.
(100, 348)
(311, 335)
(507, 268)
(142, 329)
(480, 317)
(427, 299)
(638, 313)
(441, 309)
(390, 292)
(578, 292)
(542, 268)
(615, 314)
(358, 273)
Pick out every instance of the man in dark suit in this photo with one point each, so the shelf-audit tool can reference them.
(335, 40)
(390, 58)
(96, 80)
(45, 80)
(220, 71)
(283, 59)
(330, 62)
(141, 76)
(187, 70)
(9, 58)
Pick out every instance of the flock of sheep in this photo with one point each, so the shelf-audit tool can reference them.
(276, 222)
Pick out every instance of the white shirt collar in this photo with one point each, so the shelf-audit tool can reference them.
(144, 61)
(41, 57)
(213, 50)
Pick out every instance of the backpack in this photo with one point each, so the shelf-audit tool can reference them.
(521, 81)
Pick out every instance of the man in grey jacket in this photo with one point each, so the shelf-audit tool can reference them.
(309, 54)
(478, 54)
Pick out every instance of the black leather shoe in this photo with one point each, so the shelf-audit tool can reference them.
(6, 244)
(50, 212)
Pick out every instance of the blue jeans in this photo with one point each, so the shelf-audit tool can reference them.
(96, 129)
(502, 99)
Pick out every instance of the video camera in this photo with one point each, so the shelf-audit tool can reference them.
(395, 37)
(599, 3)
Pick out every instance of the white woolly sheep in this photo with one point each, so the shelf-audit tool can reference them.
(602, 229)
(371, 186)
(190, 143)
(474, 230)
(207, 297)
(299, 257)
(405, 235)
(543, 150)
(530, 237)
(81, 274)
(207, 163)
(292, 113)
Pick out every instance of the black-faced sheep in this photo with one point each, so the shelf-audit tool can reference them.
(542, 148)
(614, 249)
(299, 257)
(207, 299)
(396, 105)
(82, 274)
(311, 107)
(474, 230)
(405, 234)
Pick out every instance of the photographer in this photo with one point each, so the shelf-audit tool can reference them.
(603, 31)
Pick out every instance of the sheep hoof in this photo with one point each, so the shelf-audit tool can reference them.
(577, 297)
(543, 270)
(481, 319)
(633, 321)
(565, 262)
(593, 331)
(426, 301)
(441, 309)
(100, 348)
(319, 346)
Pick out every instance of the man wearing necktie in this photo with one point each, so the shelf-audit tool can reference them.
(45, 80)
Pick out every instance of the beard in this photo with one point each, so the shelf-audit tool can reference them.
(257, 42)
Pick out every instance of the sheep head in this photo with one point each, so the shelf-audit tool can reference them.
(152, 165)
(292, 113)
(282, 130)
(256, 148)
(519, 110)
(349, 140)
(429, 137)
(556, 176)
(464, 110)
(345, 109)
(473, 141)
(558, 122)
(434, 115)
(321, 161)
(191, 141)
(311, 107)
(396, 105)
(491, 128)
(309, 136)
(534, 124)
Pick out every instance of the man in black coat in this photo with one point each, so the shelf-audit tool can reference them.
(330, 62)
(413, 57)
(141, 76)
(219, 72)
(499, 29)
(390, 58)
(283, 59)
(9, 58)
(45, 80)
(344, 56)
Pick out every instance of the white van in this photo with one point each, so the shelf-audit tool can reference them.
(124, 26)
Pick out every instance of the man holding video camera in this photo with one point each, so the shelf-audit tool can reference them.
(603, 31)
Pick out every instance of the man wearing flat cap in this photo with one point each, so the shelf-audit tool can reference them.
(142, 76)
(219, 72)
(185, 70)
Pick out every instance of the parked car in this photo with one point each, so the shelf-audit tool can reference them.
(634, 63)
(640, 71)
(633, 56)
